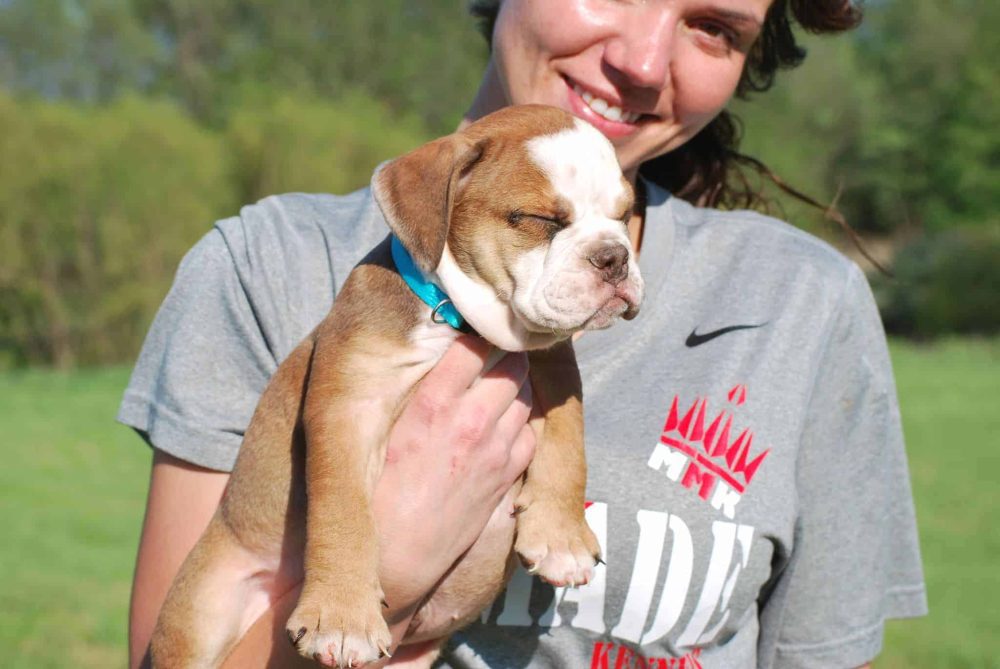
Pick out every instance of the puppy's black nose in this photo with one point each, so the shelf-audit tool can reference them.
(612, 262)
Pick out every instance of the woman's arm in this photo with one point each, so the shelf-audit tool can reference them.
(456, 449)
(182, 498)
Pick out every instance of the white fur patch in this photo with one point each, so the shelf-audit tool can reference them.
(582, 166)
(490, 316)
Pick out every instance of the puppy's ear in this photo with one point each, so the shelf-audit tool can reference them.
(416, 193)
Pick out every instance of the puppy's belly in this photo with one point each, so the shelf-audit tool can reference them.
(473, 582)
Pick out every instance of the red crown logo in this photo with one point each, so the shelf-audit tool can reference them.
(711, 446)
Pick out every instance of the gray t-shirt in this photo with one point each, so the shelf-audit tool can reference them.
(748, 479)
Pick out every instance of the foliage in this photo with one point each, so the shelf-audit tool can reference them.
(420, 57)
(902, 118)
(933, 159)
(944, 283)
(308, 144)
(82, 51)
(97, 205)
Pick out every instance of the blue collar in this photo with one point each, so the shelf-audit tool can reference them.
(443, 311)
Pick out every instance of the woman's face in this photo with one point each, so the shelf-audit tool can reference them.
(649, 74)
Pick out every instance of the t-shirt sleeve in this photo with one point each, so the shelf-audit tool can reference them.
(855, 560)
(204, 363)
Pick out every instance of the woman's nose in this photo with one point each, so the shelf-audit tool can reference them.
(640, 50)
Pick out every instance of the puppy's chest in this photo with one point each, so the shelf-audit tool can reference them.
(422, 348)
(429, 339)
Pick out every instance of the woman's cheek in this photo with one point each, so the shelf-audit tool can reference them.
(704, 86)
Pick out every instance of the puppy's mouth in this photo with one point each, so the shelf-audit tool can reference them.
(621, 301)
(623, 304)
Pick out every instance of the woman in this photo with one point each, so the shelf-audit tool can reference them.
(748, 480)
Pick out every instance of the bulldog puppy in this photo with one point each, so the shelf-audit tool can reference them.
(520, 220)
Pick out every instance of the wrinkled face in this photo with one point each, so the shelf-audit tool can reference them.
(649, 74)
(537, 248)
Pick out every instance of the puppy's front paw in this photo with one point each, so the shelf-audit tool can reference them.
(339, 631)
(558, 547)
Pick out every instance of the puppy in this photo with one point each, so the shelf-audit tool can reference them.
(520, 219)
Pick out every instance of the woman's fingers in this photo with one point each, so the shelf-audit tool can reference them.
(463, 373)
(458, 368)
(502, 386)
(521, 452)
(515, 415)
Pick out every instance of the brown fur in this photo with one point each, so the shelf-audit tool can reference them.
(298, 505)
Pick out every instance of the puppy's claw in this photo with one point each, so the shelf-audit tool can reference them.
(598, 560)
(533, 569)
(295, 638)
(383, 652)
(385, 604)
(517, 510)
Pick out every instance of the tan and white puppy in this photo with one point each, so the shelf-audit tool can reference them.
(520, 218)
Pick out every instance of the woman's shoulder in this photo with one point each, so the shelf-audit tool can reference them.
(756, 236)
(304, 223)
(287, 255)
(755, 267)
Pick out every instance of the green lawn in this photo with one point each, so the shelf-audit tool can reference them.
(72, 487)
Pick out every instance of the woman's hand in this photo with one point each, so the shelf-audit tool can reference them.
(457, 448)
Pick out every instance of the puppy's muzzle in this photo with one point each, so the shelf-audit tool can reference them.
(611, 259)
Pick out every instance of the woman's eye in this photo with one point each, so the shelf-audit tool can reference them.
(716, 35)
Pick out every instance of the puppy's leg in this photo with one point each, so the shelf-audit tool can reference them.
(217, 593)
(553, 538)
(338, 620)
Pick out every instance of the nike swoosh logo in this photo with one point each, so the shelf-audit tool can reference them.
(695, 339)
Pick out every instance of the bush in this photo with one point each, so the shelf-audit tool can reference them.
(300, 143)
(97, 205)
(948, 283)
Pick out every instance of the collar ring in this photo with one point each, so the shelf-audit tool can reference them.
(436, 316)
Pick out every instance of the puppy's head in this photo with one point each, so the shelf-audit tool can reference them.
(521, 218)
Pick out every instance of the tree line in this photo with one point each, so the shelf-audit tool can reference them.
(128, 126)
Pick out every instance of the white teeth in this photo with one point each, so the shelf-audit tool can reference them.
(605, 109)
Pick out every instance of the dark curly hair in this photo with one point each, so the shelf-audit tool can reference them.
(709, 169)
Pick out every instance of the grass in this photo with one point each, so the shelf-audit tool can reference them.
(71, 501)
(73, 484)
(949, 395)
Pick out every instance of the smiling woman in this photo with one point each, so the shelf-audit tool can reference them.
(747, 478)
(731, 48)
(648, 75)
